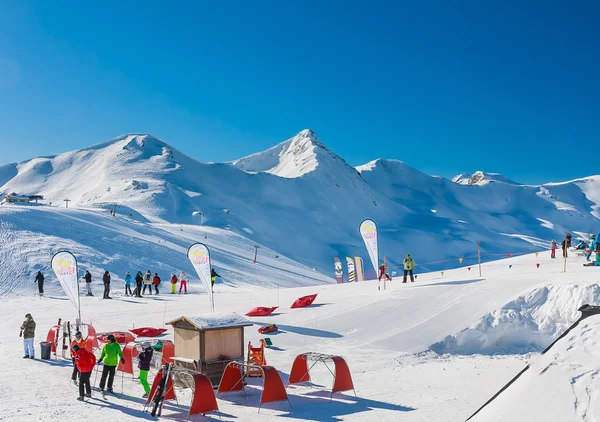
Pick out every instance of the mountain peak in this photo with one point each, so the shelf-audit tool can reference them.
(481, 178)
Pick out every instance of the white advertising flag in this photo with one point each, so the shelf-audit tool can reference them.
(200, 258)
(368, 231)
(64, 265)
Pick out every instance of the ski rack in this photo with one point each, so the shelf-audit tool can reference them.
(586, 311)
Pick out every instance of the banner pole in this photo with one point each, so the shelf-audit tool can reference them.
(384, 274)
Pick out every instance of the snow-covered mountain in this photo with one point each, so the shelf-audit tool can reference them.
(302, 200)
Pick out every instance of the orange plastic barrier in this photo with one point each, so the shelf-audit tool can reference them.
(203, 400)
(129, 352)
(342, 380)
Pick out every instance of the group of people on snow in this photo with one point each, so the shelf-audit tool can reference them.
(409, 267)
(142, 282)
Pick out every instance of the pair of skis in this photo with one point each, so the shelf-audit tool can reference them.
(161, 390)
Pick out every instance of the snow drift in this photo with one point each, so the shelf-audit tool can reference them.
(527, 324)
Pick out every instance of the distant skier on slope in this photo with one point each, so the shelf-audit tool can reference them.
(85, 362)
(28, 334)
(144, 360)
(79, 342)
(173, 284)
(182, 283)
(553, 247)
(139, 279)
(39, 279)
(409, 266)
(213, 277)
(111, 352)
(156, 281)
(128, 291)
(148, 282)
(106, 281)
(569, 238)
(88, 282)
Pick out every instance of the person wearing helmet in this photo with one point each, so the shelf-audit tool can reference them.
(85, 362)
(128, 291)
(144, 361)
(173, 284)
(28, 333)
(111, 354)
(80, 343)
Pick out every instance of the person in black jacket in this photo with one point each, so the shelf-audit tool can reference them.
(213, 277)
(144, 361)
(106, 281)
(139, 278)
(39, 279)
(88, 282)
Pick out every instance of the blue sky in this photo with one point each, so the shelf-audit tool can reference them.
(500, 86)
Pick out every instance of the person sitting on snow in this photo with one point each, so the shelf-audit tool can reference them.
(581, 246)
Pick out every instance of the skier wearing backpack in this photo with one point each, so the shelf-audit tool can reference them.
(111, 352)
(148, 282)
(144, 361)
(39, 279)
(156, 281)
(173, 284)
(182, 283)
(85, 362)
(409, 266)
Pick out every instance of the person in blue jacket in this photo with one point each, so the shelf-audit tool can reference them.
(128, 291)
(591, 247)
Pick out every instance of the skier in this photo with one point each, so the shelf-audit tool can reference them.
(148, 282)
(79, 342)
(568, 237)
(139, 278)
(382, 272)
(106, 281)
(28, 334)
(144, 360)
(156, 282)
(213, 277)
(39, 279)
(88, 282)
(591, 247)
(85, 362)
(581, 246)
(409, 266)
(173, 284)
(128, 291)
(553, 247)
(182, 283)
(111, 352)
(565, 245)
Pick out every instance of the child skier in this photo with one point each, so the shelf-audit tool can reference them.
(28, 334)
(85, 361)
(553, 247)
(144, 360)
(173, 284)
(182, 283)
(110, 355)
(79, 342)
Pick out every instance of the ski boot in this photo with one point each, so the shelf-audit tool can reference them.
(80, 398)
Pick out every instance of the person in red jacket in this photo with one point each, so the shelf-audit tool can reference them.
(156, 282)
(85, 362)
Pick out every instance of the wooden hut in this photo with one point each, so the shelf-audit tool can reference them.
(209, 342)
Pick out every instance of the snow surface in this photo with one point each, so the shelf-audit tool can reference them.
(301, 189)
(384, 335)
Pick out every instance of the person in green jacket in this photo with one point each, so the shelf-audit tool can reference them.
(409, 266)
(111, 352)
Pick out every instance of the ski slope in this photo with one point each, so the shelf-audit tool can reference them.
(304, 201)
(384, 335)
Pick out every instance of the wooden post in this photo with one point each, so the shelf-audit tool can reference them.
(565, 251)
(67, 202)
(479, 257)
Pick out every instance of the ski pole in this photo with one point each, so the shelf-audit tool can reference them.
(96, 377)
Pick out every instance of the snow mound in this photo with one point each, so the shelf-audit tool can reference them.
(527, 324)
(481, 178)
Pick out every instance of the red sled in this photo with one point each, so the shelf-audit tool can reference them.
(121, 337)
(261, 311)
(148, 331)
(268, 329)
(304, 301)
